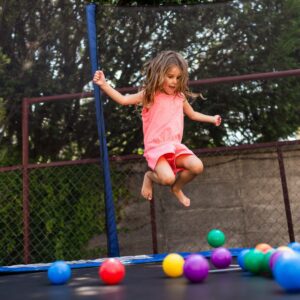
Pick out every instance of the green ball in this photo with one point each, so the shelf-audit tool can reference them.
(254, 260)
(265, 266)
(216, 238)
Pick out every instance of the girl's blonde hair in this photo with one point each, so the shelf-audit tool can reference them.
(155, 71)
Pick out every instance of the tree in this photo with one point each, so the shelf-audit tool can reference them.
(45, 43)
(45, 49)
(219, 40)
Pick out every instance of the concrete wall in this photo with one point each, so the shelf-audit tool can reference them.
(239, 192)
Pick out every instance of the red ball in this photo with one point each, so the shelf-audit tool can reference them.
(112, 271)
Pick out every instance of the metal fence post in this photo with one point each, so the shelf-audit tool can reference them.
(153, 226)
(285, 193)
(25, 144)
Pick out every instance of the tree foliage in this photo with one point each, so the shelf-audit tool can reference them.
(217, 40)
(44, 52)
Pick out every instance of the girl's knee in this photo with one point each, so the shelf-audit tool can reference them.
(197, 168)
(167, 179)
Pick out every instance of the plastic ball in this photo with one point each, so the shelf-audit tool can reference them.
(274, 257)
(294, 246)
(253, 261)
(287, 271)
(241, 258)
(196, 268)
(173, 265)
(59, 272)
(221, 258)
(216, 238)
(112, 271)
(263, 247)
(284, 248)
(265, 265)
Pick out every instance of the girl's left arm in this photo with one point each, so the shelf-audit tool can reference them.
(196, 116)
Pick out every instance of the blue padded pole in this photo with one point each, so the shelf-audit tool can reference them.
(111, 228)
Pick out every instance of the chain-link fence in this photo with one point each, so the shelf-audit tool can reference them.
(53, 207)
(11, 221)
(242, 191)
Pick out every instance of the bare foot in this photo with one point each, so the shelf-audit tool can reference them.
(181, 197)
(147, 187)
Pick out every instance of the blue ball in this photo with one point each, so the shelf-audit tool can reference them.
(287, 271)
(59, 272)
(241, 258)
(295, 246)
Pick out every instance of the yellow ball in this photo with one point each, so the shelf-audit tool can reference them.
(173, 265)
(285, 248)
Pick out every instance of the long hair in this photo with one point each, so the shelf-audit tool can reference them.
(155, 71)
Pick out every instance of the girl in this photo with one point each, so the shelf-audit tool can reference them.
(164, 100)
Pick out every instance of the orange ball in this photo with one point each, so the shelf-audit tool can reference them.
(263, 247)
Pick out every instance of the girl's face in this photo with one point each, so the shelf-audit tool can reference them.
(171, 80)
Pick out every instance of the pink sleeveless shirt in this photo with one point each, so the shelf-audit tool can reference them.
(163, 128)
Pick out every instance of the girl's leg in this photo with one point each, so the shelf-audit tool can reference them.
(162, 174)
(192, 166)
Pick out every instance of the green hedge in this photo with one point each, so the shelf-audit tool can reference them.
(66, 212)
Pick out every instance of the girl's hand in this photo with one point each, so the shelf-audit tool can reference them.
(218, 120)
(99, 78)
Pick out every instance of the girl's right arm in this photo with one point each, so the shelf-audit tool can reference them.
(100, 80)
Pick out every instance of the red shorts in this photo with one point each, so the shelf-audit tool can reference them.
(170, 151)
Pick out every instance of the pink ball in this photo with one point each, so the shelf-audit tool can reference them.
(221, 257)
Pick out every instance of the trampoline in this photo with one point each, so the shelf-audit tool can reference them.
(144, 280)
(144, 276)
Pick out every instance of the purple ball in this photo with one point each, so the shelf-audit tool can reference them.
(221, 257)
(273, 259)
(195, 268)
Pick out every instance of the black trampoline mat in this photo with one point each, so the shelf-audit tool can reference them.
(145, 282)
